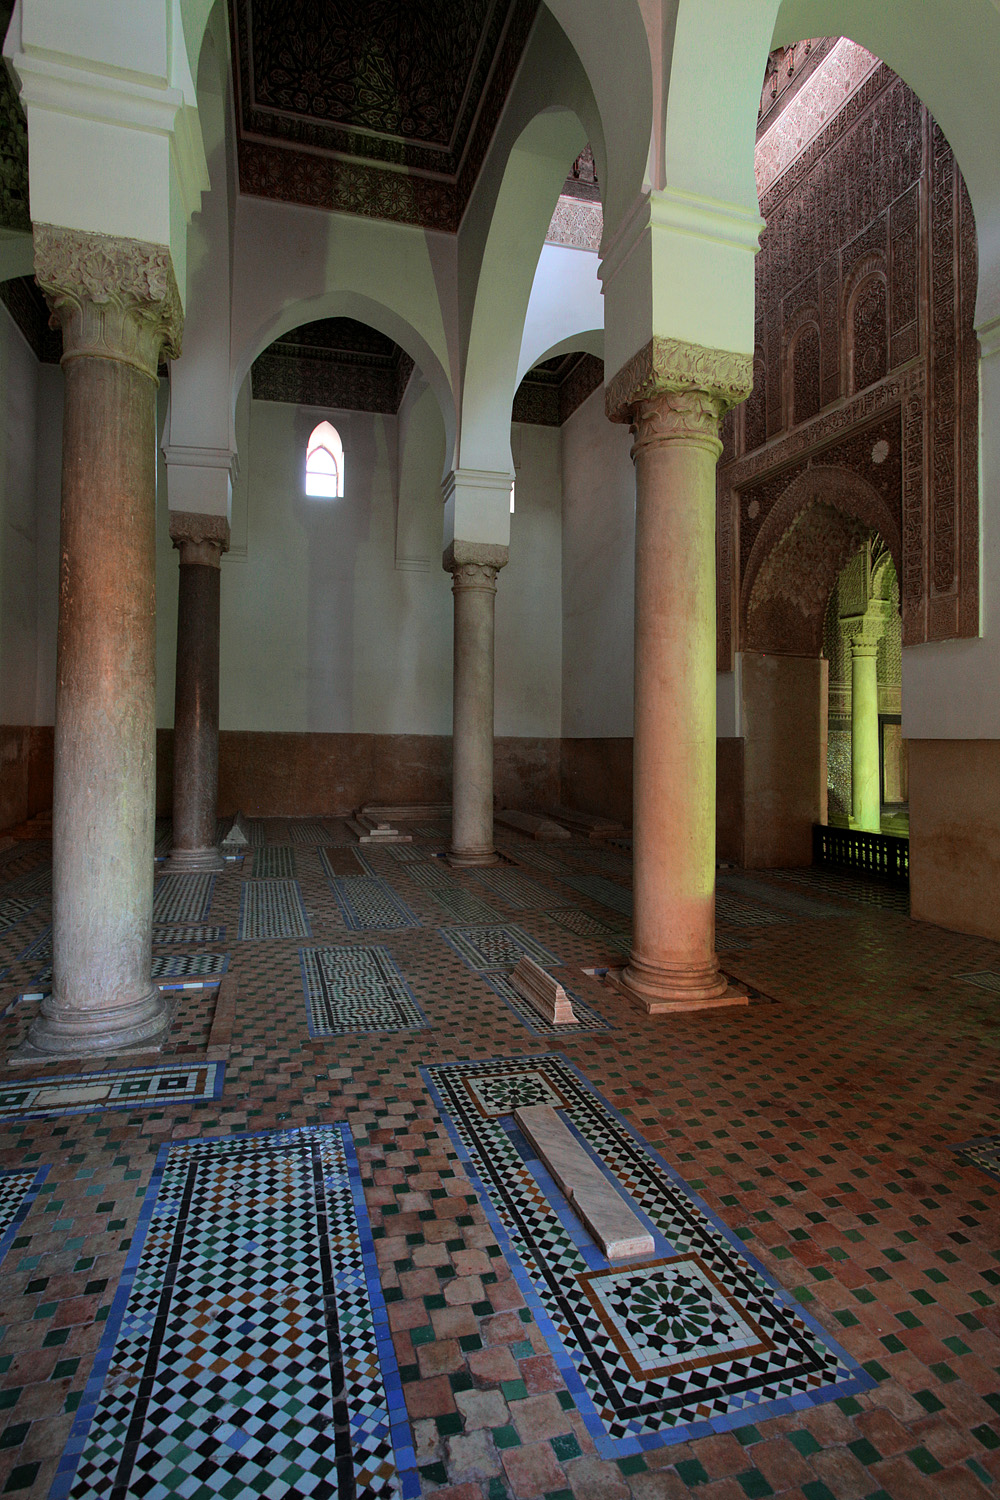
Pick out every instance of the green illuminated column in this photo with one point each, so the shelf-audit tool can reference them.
(865, 800)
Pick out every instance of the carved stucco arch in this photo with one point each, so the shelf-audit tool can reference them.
(805, 318)
(857, 279)
(822, 517)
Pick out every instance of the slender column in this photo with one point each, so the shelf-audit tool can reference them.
(675, 414)
(474, 567)
(117, 302)
(866, 804)
(201, 541)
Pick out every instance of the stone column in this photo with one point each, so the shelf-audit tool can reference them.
(866, 802)
(201, 541)
(474, 567)
(674, 396)
(118, 305)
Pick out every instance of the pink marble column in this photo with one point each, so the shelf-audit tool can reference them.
(675, 422)
(474, 567)
(117, 302)
(201, 541)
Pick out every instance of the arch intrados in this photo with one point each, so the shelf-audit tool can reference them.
(867, 267)
(823, 484)
(347, 304)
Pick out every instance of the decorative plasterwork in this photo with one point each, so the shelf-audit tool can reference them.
(552, 391)
(691, 415)
(841, 72)
(334, 362)
(200, 539)
(672, 365)
(787, 70)
(380, 109)
(115, 298)
(576, 223)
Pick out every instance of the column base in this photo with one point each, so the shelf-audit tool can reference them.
(57, 1032)
(660, 992)
(194, 861)
(464, 859)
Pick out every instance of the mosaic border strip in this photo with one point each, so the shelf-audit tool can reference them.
(677, 1216)
(370, 1409)
(15, 1206)
(588, 1018)
(983, 979)
(982, 1152)
(180, 965)
(189, 934)
(370, 979)
(204, 1081)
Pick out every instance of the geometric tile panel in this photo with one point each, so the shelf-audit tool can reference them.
(12, 909)
(606, 892)
(305, 831)
(274, 860)
(693, 1340)
(513, 889)
(495, 947)
(586, 1018)
(189, 934)
(177, 965)
(444, 889)
(18, 1191)
(182, 898)
(36, 882)
(367, 903)
(272, 909)
(354, 990)
(983, 1152)
(526, 855)
(119, 1088)
(247, 1352)
(40, 948)
(772, 895)
(730, 911)
(584, 925)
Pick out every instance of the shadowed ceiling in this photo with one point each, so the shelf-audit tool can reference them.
(378, 107)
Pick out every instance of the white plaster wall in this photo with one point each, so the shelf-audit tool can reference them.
(529, 592)
(598, 548)
(18, 538)
(321, 631)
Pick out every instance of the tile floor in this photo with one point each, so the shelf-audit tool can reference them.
(817, 1126)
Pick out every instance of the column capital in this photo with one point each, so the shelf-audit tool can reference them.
(865, 631)
(199, 538)
(474, 565)
(115, 298)
(667, 365)
(671, 416)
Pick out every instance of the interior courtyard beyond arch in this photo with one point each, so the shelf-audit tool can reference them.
(499, 750)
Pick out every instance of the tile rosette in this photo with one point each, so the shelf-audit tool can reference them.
(692, 1342)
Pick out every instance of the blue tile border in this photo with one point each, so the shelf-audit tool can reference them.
(9, 1234)
(606, 1445)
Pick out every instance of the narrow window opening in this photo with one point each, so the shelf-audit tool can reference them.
(325, 463)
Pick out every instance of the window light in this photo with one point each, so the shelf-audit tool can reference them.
(325, 462)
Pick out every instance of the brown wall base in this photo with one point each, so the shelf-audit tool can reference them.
(25, 772)
(729, 801)
(785, 723)
(313, 775)
(597, 777)
(955, 834)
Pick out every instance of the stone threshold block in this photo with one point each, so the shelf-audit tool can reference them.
(589, 824)
(370, 830)
(405, 812)
(532, 824)
(604, 1211)
(731, 995)
(543, 993)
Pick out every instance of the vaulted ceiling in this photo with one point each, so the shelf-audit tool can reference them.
(378, 107)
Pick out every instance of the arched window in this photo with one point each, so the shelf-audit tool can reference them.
(325, 462)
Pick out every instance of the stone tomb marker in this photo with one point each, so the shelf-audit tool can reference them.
(543, 993)
(602, 1208)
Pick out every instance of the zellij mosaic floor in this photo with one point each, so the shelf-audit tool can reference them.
(306, 1250)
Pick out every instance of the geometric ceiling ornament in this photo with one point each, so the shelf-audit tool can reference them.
(377, 107)
(337, 363)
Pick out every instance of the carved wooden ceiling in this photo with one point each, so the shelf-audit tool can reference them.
(336, 363)
(377, 107)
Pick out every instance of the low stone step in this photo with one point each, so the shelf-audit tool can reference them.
(532, 824)
(589, 824)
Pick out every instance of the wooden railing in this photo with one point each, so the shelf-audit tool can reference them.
(879, 856)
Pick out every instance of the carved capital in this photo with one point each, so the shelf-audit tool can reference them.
(687, 416)
(669, 365)
(865, 631)
(460, 556)
(199, 539)
(114, 298)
